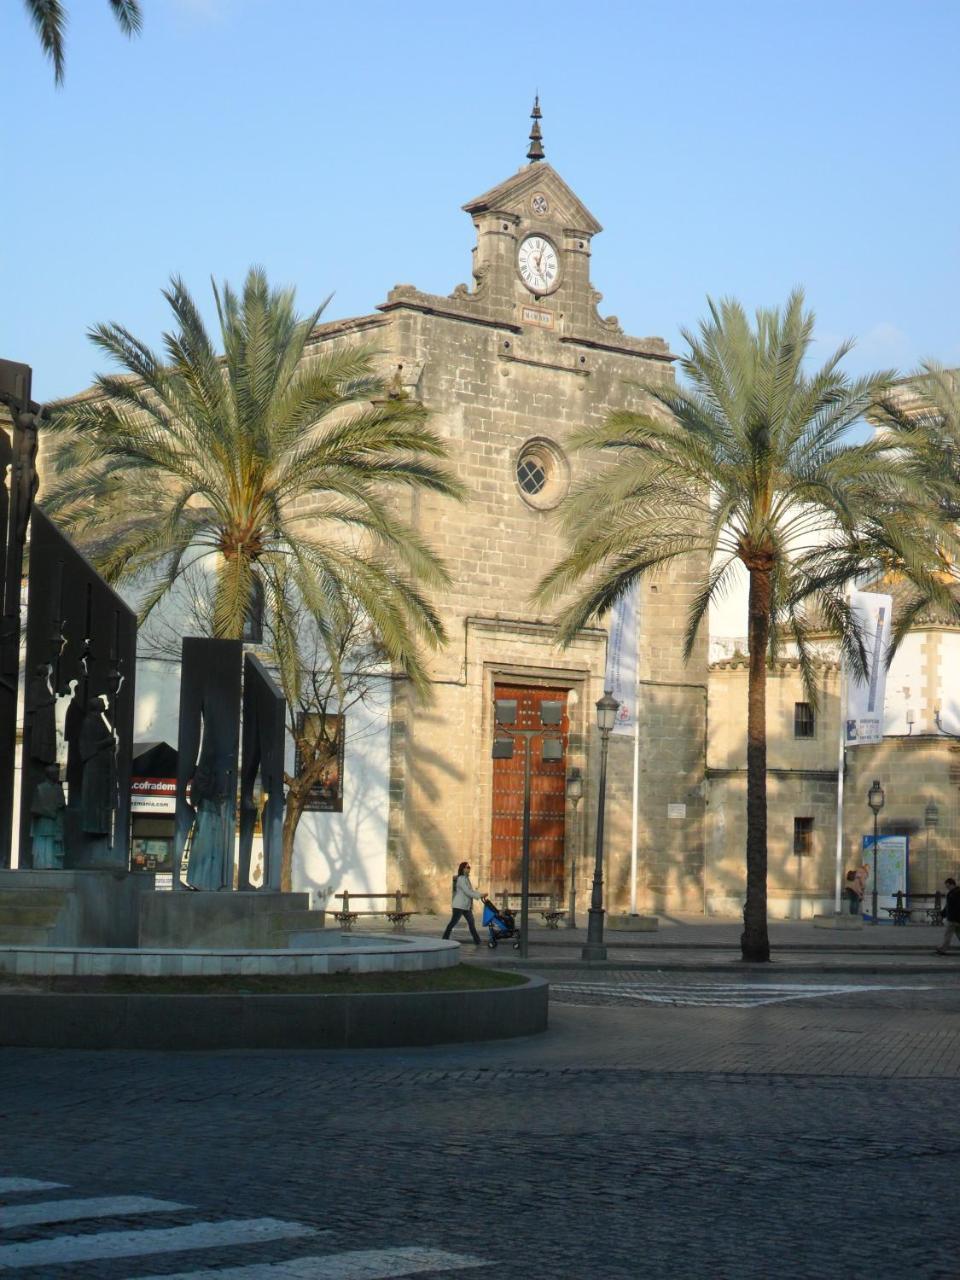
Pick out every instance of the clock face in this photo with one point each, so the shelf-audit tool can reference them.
(538, 264)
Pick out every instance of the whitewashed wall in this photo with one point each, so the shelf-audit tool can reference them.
(348, 850)
(907, 689)
(924, 678)
(333, 851)
(948, 681)
(157, 712)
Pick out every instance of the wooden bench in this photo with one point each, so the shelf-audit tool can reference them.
(347, 916)
(900, 913)
(933, 912)
(551, 913)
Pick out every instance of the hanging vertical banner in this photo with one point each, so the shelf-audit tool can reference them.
(863, 718)
(621, 677)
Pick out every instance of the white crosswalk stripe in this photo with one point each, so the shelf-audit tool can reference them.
(29, 1215)
(58, 1250)
(361, 1264)
(100, 1246)
(738, 995)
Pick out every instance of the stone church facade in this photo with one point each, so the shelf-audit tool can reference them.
(508, 368)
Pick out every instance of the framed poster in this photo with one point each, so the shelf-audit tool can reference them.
(326, 795)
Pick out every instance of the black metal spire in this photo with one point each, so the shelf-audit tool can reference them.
(536, 141)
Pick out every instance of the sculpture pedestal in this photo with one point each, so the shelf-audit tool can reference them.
(249, 918)
(71, 908)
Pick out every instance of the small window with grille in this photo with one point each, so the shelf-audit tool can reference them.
(542, 473)
(531, 474)
(804, 721)
(803, 835)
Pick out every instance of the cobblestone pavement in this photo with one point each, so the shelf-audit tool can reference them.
(633, 1139)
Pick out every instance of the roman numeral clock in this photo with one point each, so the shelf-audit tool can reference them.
(538, 264)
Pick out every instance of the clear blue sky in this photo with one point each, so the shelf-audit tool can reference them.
(732, 147)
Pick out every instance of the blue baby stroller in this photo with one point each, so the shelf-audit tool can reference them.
(500, 924)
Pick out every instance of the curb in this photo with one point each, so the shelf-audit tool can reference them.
(802, 948)
(730, 966)
(52, 1020)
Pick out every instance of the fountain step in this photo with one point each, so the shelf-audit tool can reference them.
(327, 952)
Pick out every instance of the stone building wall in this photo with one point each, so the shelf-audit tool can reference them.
(915, 770)
(801, 783)
(498, 383)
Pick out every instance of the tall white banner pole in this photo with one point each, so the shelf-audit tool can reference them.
(841, 755)
(635, 840)
(636, 810)
(862, 702)
(623, 680)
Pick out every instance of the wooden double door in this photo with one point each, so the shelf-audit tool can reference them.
(547, 801)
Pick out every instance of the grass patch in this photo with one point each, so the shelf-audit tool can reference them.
(462, 977)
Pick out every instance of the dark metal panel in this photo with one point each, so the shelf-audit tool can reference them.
(264, 740)
(8, 671)
(81, 640)
(18, 486)
(208, 740)
(81, 647)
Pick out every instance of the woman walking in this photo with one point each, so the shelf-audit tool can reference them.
(463, 896)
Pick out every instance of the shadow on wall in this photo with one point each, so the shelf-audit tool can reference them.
(429, 874)
(335, 851)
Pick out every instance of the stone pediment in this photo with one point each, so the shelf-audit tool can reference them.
(513, 195)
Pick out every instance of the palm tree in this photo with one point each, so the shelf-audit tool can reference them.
(747, 467)
(268, 468)
(923, 412)
(50, 19)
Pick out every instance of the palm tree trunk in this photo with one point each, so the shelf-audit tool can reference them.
(754, 942)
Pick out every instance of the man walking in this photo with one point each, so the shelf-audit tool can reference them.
(951, 915)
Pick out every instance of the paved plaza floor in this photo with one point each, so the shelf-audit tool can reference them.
(703, 1122)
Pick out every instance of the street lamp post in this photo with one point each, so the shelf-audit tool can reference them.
(607, 708)
(875, 800)
(574, 795)
(506, 733)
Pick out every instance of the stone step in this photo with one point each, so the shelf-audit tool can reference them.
(264, 900)
(42, 913)
(26, 935)
(31, 895)
(297, 920)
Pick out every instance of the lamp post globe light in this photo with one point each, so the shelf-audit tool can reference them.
(875, 798)
(607, 708)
